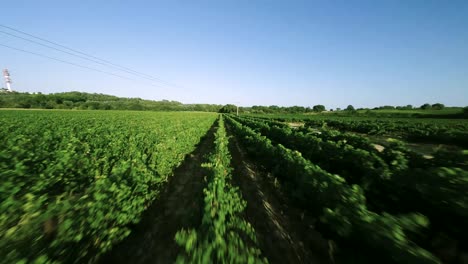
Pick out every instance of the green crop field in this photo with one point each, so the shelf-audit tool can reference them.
(191, 187)
(78, 179)
(445, 111)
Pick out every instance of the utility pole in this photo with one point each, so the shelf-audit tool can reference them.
(6, 75)
(237, 108)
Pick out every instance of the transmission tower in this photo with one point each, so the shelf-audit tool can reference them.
(6, 75)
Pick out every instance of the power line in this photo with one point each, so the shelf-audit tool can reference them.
(38, 43)
(71, 63)
(79, 52)
(70, 53)
(103, 62)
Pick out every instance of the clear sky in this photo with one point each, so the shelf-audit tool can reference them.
(364, 53)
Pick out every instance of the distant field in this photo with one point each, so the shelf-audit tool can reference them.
(361, 117)
(445, 111)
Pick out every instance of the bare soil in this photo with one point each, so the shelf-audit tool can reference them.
(285, 234)
(295, 124)
(180, 206)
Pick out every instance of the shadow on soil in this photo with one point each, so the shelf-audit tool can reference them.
(283, 234)
(179, 206)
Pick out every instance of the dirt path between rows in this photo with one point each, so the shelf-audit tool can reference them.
(180, 206)
(283, 234)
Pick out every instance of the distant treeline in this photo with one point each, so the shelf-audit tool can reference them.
(273, 109)
(426, 110)
(88, 101)
(436, 106)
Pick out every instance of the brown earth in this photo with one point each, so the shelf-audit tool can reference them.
(285, 234)
(180, 206)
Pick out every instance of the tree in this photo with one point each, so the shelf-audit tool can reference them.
(438, 106)
(319, 108)
(426, 107)
(350, 108)
(274, 108)
(296, 109)
(68, 104)
(78, 100)
(50, 104)
(229, 108)
(388, 107)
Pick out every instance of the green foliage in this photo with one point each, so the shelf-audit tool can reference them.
(414, 183)
(387, 107)
(426, 106)
(72, 182)
(406, 107)
(438, 106)
(438, 192)
(435, 132)
(229, 108)
(87, 101)
(224, 237)
(274, 109)
(318, 108)
(341, 207)
(355, 165)
(393, 178)
(60, 169)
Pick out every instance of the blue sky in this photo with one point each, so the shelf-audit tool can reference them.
(364, 53)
